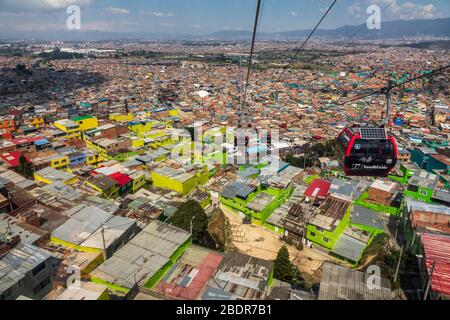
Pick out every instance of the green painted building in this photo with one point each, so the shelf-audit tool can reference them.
(421, 186)
(344, 230)
(256, 203)
(145, 259)
(406, 172)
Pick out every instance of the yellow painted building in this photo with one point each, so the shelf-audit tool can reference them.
(59, 161)
(121, 117)
(50, 175)
(179, 180)
(86, 122)
(108, 187)
(142, 126)
(173, 179)
(71, 128)
(38, 122)
(93, 157)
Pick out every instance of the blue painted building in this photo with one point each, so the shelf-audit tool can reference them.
(438, 162)
(42, 144)
(421, 156)
(77, 158)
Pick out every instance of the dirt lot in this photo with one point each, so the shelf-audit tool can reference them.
(262, 243)
(216, 227)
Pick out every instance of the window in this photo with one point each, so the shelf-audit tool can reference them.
(377, 150)
(413, 188)
(343, 140)
(38, 268)
(320, 229)
(325, 239)
(312, 234)
(56, 162)
(423, 192)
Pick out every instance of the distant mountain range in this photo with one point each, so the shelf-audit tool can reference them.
(389, 30)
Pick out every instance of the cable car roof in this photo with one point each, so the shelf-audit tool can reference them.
(370, 133)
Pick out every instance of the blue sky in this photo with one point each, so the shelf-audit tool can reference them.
(204, 16)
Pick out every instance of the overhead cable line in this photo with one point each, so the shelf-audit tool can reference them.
(306, 40)
(393, 86)
(255, 28)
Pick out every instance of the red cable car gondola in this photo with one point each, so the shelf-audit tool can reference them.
(366, 151)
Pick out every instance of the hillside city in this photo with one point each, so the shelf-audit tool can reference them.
(121, 179)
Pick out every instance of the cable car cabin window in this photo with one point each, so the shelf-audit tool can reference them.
(373, 150)
(342, 143)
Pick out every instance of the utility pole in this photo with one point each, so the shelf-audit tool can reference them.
(396, 231)
(398, 264)
(104, 244)
(8, 228)
(9, 200)
(192, 226)
(427, 289)
(164, 290)
(126, 106)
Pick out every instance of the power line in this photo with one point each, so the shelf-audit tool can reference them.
(393, 86)
(306, 40)
(250, 62)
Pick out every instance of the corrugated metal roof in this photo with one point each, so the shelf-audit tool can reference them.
(437, 250)
(85, 223)
(412, 205)
(366, 217)
(348, 248)
(318, 188)
(143, 255)
(339, 283)
(18, 261)
(237, 189)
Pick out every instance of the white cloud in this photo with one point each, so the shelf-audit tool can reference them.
(156, 13)
(393, 10)
(294, 13)
(113, 10)
(165, 24)
(109, 26)
(18, 5)
(196, 26)
(355, 10)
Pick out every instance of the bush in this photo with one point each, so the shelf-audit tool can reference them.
(283, 268)
(183, 216)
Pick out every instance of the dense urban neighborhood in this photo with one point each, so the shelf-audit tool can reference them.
(130, 170)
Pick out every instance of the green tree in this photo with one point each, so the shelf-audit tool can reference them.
(25, 167)
(183, 216)
(22, 69)
(283, 269)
